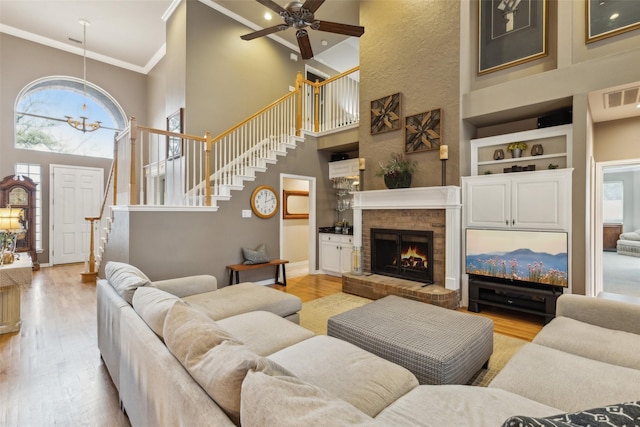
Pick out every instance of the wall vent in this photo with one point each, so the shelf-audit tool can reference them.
(621, 98)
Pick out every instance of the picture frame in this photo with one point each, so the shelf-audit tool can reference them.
(175, 124)
(599, 22)
(295, 204)
(385, 114)
(422, 132)
(510, 33)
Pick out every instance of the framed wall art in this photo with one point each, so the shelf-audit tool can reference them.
(175, 123)
(422, 131)
(610, 18)
(510, 32)
(385, 114)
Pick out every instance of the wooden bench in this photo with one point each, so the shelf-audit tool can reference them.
(237, 268)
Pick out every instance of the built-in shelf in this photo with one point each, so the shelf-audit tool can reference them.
(556, 142)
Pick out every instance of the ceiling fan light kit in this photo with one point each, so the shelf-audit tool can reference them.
(300, 16)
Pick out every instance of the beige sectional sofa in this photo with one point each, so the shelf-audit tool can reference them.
(178, 366)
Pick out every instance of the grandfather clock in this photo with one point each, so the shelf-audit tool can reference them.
(19, 192)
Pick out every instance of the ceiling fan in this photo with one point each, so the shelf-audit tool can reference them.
(300, 16)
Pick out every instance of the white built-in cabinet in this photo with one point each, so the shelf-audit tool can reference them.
(335, 253)
(523, 200)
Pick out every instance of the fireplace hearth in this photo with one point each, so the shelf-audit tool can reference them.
(407, 254)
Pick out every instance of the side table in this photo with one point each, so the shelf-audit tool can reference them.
(12, 277)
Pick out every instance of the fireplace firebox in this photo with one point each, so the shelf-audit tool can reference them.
(407, 254)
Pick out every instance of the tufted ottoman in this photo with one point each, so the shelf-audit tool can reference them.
(440, 346)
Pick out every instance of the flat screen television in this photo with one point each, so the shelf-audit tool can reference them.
(526, 257)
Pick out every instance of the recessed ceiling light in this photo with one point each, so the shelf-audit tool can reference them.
(638, 106)
(267, 16)
(614, 16)
(324, 42)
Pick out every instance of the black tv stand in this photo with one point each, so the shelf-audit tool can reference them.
(540, 301)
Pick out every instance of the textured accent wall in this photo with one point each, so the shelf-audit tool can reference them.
(411, 47)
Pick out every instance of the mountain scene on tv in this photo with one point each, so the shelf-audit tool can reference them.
(521, 264)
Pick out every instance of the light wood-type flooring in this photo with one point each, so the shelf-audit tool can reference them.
(51, 373)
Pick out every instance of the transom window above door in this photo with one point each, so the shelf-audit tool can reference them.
(41, 117)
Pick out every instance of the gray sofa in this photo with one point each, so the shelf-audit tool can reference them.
(178, 366)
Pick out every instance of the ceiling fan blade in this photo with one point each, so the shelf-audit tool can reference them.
(334, 27)
(305, 44)
(312, 5)
(273, 6)
(264, 32)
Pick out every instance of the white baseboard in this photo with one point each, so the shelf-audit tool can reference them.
(294, 269)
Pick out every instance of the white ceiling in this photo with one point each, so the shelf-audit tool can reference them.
(131, 34)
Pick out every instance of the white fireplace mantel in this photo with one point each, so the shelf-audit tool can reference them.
(446, 197)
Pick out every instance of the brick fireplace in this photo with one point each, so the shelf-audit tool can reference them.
(434, 209)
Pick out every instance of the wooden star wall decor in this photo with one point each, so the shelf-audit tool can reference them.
(422, 131)
(385, 114)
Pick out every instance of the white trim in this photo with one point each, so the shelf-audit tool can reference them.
(72, 49)
(598, 282)
(166, 208)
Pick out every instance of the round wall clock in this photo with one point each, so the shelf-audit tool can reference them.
(264, 201)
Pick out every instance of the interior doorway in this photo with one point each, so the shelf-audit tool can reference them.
(617, 211)
(297, 227)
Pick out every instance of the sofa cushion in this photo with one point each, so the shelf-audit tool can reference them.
(631, 235)
(125, 278)
(271, 400)
(459, 405)
(215, 360)
(243, 298)
(257, 256)
(153, 305)
(264, 332)
(363, 379)
(622, 414)
(590, 341)
(566, 381)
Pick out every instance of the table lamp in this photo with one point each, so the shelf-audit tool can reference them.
(10, 227)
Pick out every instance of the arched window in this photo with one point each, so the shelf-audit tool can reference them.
(42, 108)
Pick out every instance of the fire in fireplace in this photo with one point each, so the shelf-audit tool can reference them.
(407, 254)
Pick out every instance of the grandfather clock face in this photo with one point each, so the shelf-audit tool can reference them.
(18, 197)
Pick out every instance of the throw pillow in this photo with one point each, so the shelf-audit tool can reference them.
(290, 401)
(257, 256)
(189, 333)
(125, 279)
(152, 305)
(622, 414)
(221, 371)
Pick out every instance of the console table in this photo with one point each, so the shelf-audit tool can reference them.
(12, 277)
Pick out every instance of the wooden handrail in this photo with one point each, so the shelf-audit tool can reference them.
(334, 78)
(253, 116)
(172, 134)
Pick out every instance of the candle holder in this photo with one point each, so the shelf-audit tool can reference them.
(444, 156)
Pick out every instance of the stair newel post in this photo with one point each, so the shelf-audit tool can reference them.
(90, 275)
(133, 192)
(298, 103)
(316, 112)
(207, 166)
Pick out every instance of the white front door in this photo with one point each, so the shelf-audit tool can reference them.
(76, 193)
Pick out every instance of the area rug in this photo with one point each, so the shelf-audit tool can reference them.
(314, 316)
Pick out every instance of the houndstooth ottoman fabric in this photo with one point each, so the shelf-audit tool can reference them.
(440, 346)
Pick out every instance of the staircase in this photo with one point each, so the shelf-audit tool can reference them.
(208, 170)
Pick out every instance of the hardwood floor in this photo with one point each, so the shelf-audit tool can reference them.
(51, 372)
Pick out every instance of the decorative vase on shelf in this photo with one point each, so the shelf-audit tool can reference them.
(398, 180)
(516, 152)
